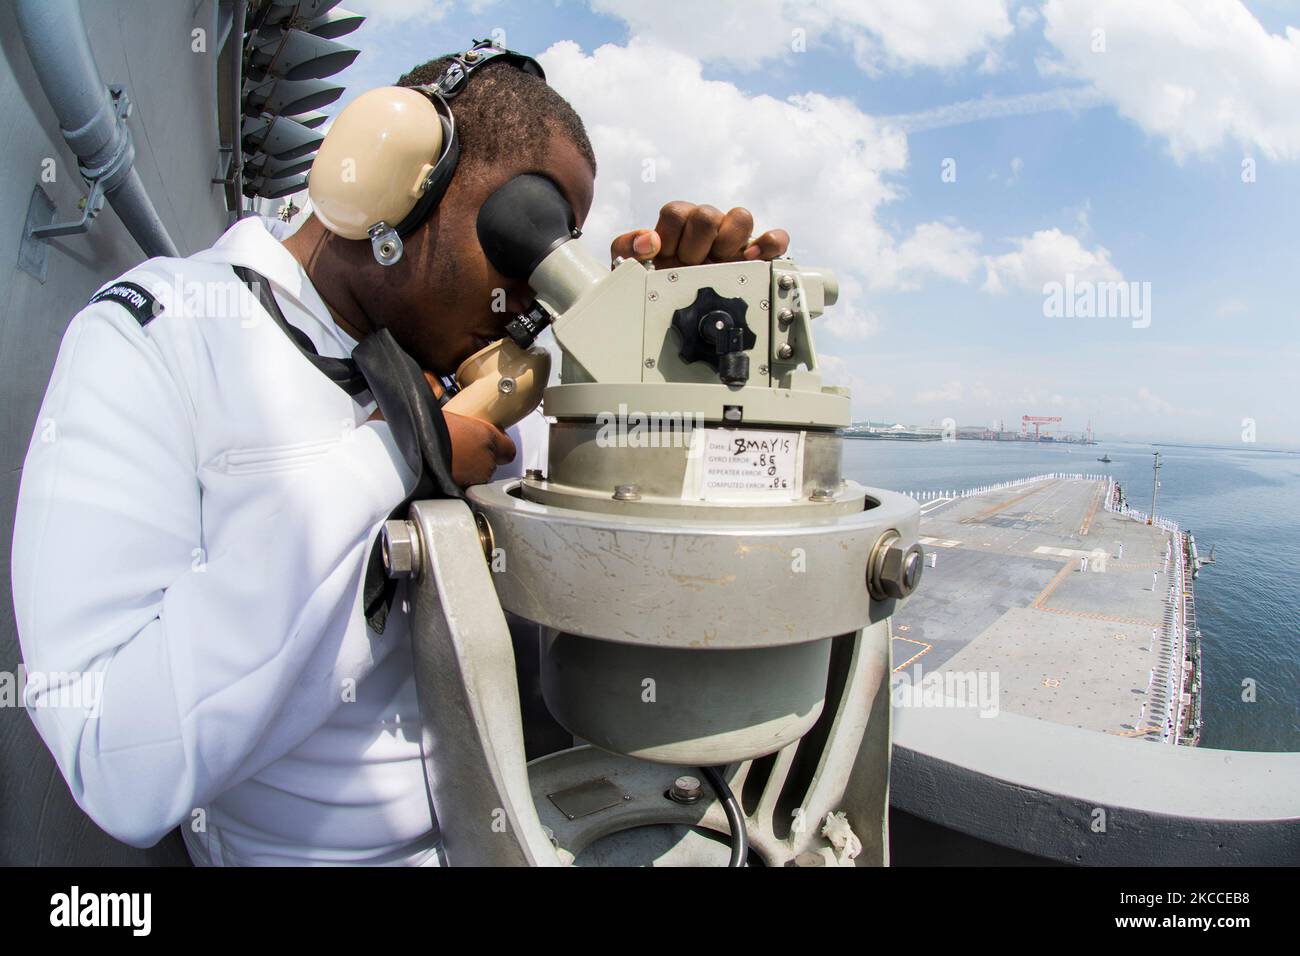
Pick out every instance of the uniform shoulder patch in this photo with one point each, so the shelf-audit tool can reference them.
(137, 300)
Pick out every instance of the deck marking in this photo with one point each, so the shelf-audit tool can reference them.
(1096, 557)
(1097, 495)
(1044, 594)
(1095, 616)
(925, 649)
(989, 512)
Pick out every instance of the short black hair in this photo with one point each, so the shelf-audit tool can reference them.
(499, 110)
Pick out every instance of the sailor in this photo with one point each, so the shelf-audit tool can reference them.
(202, 495)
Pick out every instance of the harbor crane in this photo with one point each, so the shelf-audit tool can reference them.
(1036, 420)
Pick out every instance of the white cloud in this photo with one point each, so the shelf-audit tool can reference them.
(1070, 99)
(1083, 219)
(849, 323)
(868, 392)
(824, 180)
(934, 248)
(402, 11)
(947, 393)
(1047, 256)
(1198, 73)
(1150, 402)
(882, 34)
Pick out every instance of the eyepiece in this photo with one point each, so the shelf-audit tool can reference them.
(522, 223)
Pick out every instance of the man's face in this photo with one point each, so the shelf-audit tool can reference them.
(438, 301)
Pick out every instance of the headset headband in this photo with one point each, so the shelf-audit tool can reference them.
(483, 52)
(450, 84)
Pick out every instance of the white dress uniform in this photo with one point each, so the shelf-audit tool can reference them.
(196, 512)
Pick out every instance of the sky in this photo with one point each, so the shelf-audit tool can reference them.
(1083, 208)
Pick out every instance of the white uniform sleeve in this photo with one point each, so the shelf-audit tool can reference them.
(181, 662)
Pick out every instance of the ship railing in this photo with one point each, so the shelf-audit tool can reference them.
(1178, 563)
(975, 491)
(1192, 648)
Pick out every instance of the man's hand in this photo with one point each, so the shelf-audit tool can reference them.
(477, 447)
(688, 235)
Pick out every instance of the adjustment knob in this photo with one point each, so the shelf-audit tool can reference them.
(713, 330)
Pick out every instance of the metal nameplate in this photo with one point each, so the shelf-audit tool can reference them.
(587, 798)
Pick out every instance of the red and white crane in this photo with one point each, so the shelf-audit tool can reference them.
(1036, 420)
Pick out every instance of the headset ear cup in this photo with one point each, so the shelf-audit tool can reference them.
(367, 168)
(439, 180)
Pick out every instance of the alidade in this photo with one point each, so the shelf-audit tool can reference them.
(712, 592)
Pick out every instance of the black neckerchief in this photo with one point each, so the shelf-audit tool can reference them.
(397, 384)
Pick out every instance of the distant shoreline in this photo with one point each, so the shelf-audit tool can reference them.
(1271, 451)
(1098, 443)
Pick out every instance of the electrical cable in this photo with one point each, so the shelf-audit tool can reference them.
(735, 819)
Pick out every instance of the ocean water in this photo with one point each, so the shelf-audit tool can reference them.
(1243, 501)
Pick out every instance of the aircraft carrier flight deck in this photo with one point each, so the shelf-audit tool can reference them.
(1082, 610)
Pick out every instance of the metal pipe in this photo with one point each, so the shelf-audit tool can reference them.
(236, 171)
(55, 36)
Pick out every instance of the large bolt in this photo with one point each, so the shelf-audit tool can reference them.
(685, 789)
(894, 569)
(401, 549)
(485, 538)
(627, 493)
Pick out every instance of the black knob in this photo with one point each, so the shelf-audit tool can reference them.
(733, 368)
(713, 330)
